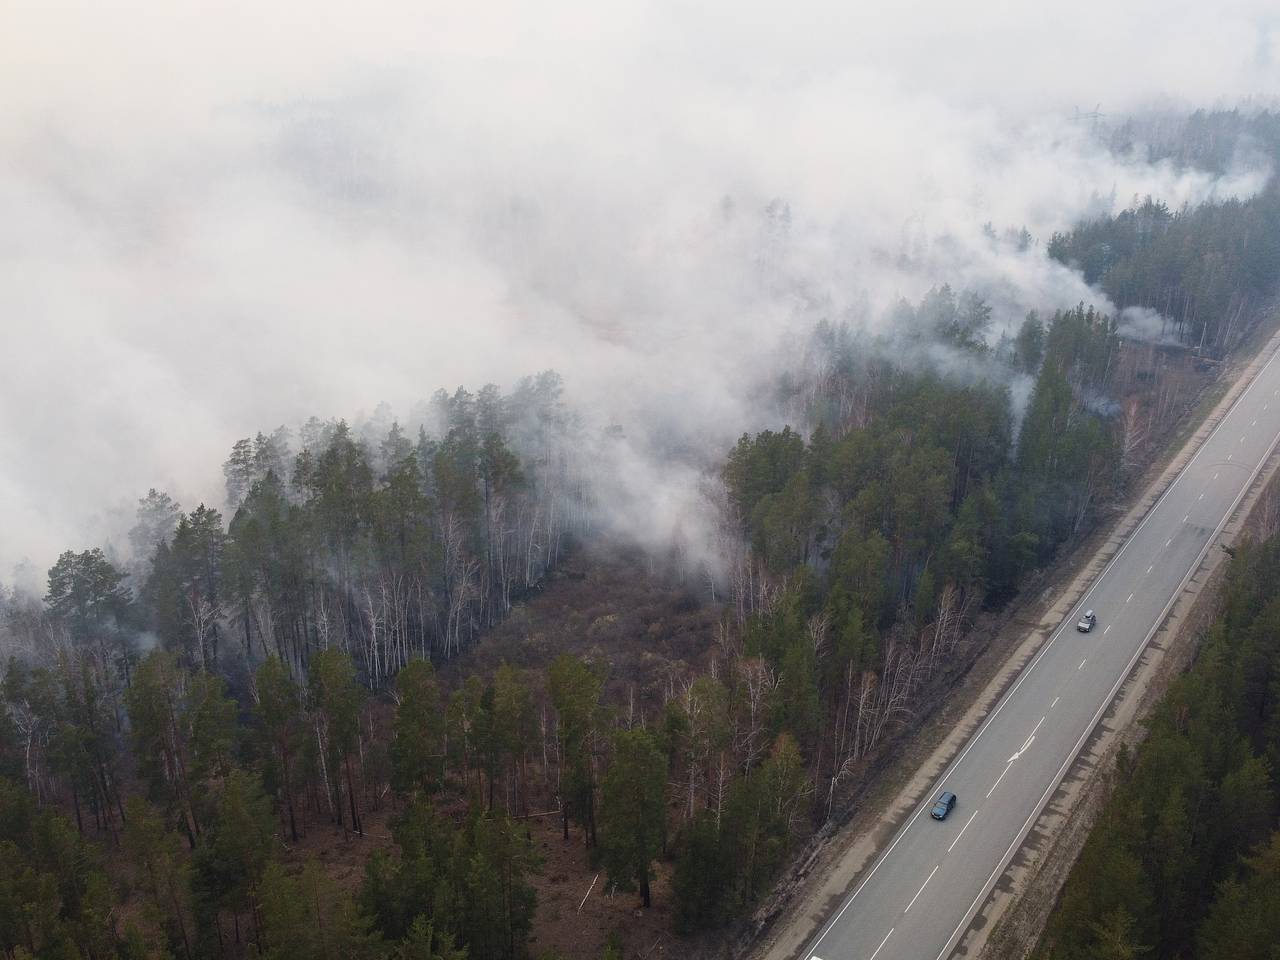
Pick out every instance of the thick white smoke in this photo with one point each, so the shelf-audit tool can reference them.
(216, 218)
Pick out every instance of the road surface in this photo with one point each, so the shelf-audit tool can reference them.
(923, 891)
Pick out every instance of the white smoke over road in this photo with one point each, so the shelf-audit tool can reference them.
(217, 218)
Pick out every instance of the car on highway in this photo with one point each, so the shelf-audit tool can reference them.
(942, 806)
(1087, 622)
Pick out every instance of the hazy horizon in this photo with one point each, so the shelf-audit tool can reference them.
(218, 219)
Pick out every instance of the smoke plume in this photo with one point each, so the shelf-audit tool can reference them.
(218, 218)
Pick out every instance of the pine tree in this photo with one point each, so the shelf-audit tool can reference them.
(1114, 938)
(702, 890)
(278, 706)
(498, 902)
(307, 918)
(336, 702)
(633, 810)
(423, 943)
(418, 729)
(157, 518)
(229, 862)
(163, 874)
(575, 692)
(398, 891)
(197, 553)
(513, 726)
(161, 722)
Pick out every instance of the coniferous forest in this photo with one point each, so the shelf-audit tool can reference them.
(185, 721)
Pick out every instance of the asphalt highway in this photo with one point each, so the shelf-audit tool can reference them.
(921, 894)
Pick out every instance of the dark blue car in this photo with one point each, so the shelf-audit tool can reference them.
(942, 806)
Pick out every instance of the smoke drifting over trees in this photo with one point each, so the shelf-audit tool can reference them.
(214, 223)
(444, 450)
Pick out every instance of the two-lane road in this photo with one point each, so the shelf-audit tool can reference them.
(921, 894)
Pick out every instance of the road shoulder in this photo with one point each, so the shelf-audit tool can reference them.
(1010, 922)
(839, 856)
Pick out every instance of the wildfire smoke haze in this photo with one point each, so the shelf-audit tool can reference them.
(219, 218)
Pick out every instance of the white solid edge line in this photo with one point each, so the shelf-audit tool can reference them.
(1026, 672)
(1057, 780)
(921, 890)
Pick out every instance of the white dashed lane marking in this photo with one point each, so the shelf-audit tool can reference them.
(962, 830)
(999, 778)
(1168, 543)
(921, 890)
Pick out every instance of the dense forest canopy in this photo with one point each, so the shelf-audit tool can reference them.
(1202, 269)
(389, 546)
(294, 659)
